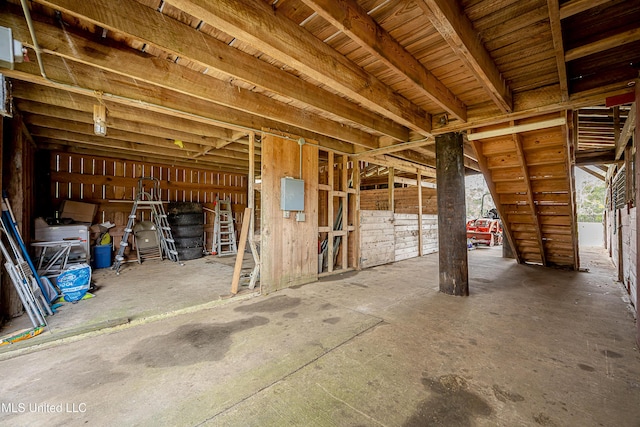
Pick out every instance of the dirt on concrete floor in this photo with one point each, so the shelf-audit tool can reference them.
(530, 346)
(141, 292)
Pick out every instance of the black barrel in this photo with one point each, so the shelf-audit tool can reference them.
(187, 227)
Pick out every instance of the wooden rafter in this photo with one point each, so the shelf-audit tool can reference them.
(402, 165)
(606, 43)
(396, 148)
(160, 130)
(354, 21)
(183, 80)
(155, 29)
(574, 7)
(256, 24)
(627, 132)
(600, 176)
(57, 103)
(517, 140)
(457, 30)
(513, 128)
(558, 47)
(148, 98)
(55, 124)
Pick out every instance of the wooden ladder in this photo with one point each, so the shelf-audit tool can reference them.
(223, 229)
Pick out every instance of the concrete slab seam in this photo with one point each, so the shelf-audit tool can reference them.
(315, 359)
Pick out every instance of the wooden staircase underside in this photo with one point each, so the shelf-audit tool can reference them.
(530, 177)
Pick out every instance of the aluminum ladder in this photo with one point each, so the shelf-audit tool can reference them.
(223, 229)
(149, 199)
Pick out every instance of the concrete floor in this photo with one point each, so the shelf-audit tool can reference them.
(530, 346)
(141, 293)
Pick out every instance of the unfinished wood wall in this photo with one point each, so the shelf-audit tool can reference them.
(17, 162)
(377, 241)
(387, 237)
(621, 239)
(406, 235)
(405, 200)
(107, 182)
(289, 249)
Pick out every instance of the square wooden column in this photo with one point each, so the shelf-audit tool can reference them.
(452, 233)
(636, 139)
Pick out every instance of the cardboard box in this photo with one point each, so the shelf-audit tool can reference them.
(78, 211)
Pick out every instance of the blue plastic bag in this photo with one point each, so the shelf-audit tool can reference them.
(74, 282)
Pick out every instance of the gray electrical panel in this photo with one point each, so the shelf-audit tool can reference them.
(10, 49)
(291, 194)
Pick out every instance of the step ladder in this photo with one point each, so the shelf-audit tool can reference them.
(149, 197)
(223, 230)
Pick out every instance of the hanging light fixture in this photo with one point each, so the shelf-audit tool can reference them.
(100, 120)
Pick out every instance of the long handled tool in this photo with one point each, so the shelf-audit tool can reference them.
(9, 224)
(23, 286)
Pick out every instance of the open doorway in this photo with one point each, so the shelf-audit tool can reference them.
(590, 200)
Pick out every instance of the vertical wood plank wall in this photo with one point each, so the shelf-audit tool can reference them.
(101, 180)
(289, 249)
(17, 167)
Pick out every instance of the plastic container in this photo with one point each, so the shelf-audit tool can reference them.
(102, 256)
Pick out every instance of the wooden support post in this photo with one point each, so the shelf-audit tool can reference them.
(420, 236)
(251, 195)
(452, 235)
(356, 214)
(391, 185)
(251, 204)
(235, 282)
(636, 138)
(330, 210)
(345, 212)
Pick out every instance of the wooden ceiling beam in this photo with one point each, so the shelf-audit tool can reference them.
(397, 147)
(39, 109)
(593, 173)
(526, 127)
(353, 20)
(626, 133)
(452, 24)
(558, 47)
(174, 77)
(282, 39)
(156, 29)
(625, 37)
(115, 134)
(573, 7)
(403, 165)
(113, 88)
(52, 102)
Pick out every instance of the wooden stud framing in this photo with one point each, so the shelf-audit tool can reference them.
(391, 186)
(330, 213)
(420, 232)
